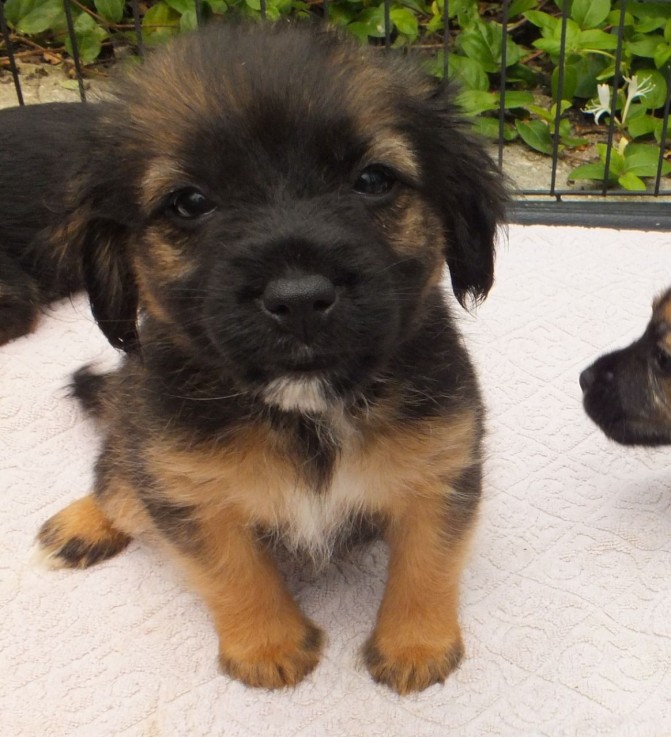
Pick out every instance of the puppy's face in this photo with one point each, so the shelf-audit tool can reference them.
(285, 200)
(628, 392)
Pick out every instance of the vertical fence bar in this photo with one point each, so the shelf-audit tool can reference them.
(560, 95)
(10, 54)
(199, 13)
(446, 37)
(613, 99)
(75, 49)
(137, 26)
(665, 128)
(325, 10)
(263, 9)
(387, 24)
(504, 67)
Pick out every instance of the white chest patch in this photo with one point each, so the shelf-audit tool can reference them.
(312, 521)
(298, 395)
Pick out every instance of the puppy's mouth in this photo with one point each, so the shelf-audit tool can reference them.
(310, 367)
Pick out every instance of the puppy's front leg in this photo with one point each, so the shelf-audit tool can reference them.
(264, 639)
(417, 640)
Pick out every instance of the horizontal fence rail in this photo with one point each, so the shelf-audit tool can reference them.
(556, 201)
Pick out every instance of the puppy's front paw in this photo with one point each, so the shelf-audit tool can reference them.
(79, 536)
(284, 662)
(407, 667)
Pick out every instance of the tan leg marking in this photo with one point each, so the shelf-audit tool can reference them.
(264, 639)
(79, 536)
(417, 640)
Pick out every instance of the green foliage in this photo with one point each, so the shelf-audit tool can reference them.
(627, 166)
(536, 40)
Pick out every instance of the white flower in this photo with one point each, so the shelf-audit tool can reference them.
(602, 107)
(634, 91)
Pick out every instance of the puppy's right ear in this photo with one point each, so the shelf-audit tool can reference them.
(110, 283)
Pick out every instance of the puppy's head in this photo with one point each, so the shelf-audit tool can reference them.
(628, 392)
(282, 201)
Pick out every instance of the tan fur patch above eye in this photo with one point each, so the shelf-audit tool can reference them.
(161, 177)
(396, 152)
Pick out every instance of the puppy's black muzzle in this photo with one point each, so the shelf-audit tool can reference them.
(300, 304)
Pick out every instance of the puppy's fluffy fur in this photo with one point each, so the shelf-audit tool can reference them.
(628, 392)
(269, 212)
(43, 150)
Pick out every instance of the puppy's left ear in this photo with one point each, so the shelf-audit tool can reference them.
(110, 283)
(468, 191)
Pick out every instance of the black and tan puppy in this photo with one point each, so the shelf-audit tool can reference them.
(267, 240)
(628, 392)
(43, 150)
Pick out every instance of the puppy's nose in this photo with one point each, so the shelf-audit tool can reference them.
(586, 378)
(300, 304)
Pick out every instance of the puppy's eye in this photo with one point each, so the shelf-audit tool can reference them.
(375, 180)
(189, 204)
(663, 360)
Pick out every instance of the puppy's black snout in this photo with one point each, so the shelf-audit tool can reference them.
(587, 378)
(300, 304)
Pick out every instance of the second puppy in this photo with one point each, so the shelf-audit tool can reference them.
(269, 213)
(628, 392)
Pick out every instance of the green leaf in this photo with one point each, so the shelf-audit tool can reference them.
(546, 22)
(631, 182)
(489, 128)
(89, 37)
(521, 73)
(644, 46)
(517, 7)
(468, 72)
(647, 25)
(189, 20)
(43, 16)
(657, 96)
(590, 13)
(541, 112)
(662, 55)
(536, 135)
(588, 69)
(641, 126)
(111, 10)
(405, 21)
(570, 82)
(182, 6)
(219, 7)
(650, 10)
(517, 98)
(474, 102)
(571, 142)
(589, 171)
(667, 31)
(372, 19)
(160, 22)
(596, 39)
(478, 44)
(17, 9)
(659, 129)
(643, 159)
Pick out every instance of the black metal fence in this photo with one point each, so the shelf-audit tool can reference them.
(555, 202)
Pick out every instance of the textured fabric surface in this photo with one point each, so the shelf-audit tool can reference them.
(566, 604)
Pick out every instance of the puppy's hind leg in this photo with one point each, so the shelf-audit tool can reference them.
(19, 300)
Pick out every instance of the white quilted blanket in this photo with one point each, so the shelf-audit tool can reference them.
(567, 599)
